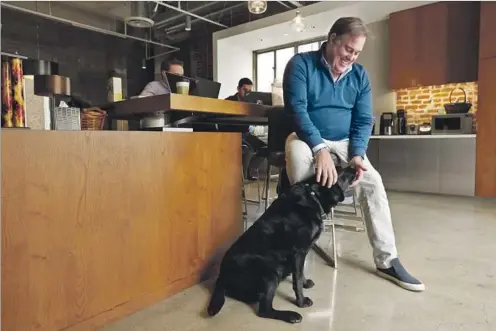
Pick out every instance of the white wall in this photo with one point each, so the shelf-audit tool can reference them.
(375, 59)
(232, 56)
(233, 48)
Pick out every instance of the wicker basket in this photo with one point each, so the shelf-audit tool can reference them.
(93, 118)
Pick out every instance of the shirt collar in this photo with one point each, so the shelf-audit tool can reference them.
(328, 66)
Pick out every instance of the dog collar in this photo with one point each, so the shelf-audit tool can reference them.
(314, 197)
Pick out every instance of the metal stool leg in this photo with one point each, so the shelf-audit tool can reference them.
(333, 238)
(243, 196)
(258, 188)
(332, 261)
(267, 185)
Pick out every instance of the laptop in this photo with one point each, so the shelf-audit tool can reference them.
(261, 98)
(197, 86)
(206, 88)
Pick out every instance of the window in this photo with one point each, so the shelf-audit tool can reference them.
(270, 64)
(282, 58)
(265, 71)
(308, 47)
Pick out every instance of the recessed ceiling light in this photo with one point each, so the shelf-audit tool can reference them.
(286, 34)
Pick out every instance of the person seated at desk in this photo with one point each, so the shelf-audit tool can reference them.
(253, 159)
(159, 87)
(245, 85)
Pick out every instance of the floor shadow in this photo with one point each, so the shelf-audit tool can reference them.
(356, 264)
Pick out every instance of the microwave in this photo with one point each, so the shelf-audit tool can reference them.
(452, 124)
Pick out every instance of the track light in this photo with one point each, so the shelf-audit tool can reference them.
(188, 23)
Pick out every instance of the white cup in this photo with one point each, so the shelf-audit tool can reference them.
(182, 88)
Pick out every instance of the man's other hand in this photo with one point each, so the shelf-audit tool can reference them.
(357, 162)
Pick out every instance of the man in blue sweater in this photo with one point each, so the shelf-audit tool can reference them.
(330, 98)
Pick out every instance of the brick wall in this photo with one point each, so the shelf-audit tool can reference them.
(423, 102)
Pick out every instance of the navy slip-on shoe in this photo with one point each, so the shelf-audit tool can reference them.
(398, 274)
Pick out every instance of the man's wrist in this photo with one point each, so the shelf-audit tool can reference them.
(318, 148)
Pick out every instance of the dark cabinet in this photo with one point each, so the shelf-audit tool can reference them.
(434, 44)
(403, 49)
(487, 30)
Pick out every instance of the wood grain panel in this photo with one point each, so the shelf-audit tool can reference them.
(485, 174)
(403, 49)
(487, 30)
(434, 44)
(99, 224)
(432, 40)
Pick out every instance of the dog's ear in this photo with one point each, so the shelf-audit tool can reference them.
(300, 194)
(337, 194)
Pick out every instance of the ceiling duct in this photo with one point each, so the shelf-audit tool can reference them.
(139, 16)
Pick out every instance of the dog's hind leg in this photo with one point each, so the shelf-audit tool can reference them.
(298, 280)
(266, 310)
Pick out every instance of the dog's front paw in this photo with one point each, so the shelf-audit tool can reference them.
(306, 302)
(291, 317)
(308, 284)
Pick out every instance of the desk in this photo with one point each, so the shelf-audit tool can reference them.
(201, 110)
(97, 225)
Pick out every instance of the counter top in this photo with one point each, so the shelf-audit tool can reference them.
(421, 136)
(160, 104)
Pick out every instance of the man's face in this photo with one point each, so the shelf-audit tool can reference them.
(176, 69)
(343, 51)
(243, 90)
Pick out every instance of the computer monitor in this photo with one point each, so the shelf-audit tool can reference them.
(261, 98)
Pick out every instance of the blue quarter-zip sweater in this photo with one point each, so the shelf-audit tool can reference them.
(326, 109)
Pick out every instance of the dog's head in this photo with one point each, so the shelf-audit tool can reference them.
(330, 197)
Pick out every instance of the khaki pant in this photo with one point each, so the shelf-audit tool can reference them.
(371, 194)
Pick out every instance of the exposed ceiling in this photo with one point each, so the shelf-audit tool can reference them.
(169, 23)
(169, 26)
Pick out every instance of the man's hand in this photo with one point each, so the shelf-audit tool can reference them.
(325, 169)
(357, 162)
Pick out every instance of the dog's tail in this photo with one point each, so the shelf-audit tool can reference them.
(218, 298)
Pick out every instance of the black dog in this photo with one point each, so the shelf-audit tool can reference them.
(276, 245)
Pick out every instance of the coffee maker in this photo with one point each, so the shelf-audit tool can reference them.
(401, 126)
(387, 124)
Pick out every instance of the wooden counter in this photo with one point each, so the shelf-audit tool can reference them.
(97, 225)
(160, 104)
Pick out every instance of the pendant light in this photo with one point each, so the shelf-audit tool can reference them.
(51, 85)
(257, 6)
(297, 23)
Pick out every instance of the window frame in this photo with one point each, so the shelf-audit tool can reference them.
(295, 45)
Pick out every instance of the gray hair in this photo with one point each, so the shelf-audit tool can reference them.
(349, 25)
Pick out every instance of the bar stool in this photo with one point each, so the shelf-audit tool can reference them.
(281, 125)
(245, 150)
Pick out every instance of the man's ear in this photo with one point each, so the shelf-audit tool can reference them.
(332, 38)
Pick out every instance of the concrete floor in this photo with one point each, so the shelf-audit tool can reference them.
(447, 242)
